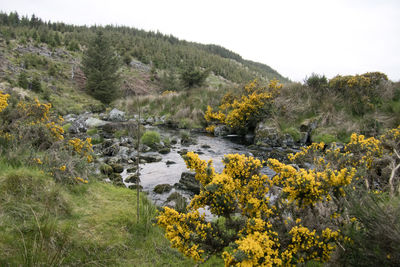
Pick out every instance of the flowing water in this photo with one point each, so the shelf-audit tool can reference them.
(208, 147)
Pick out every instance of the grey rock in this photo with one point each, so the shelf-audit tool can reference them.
(94, 122)
(151, 157)
(222, 130)
(189, 182)
(111, 150)
(170, 162)
(162, 188)
(132, 178)
(133, 187)
(117, 168)
(116, 115)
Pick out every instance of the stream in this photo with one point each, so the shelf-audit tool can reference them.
(208, 147)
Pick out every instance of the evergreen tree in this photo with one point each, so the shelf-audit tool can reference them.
(192, 76)
(100, 65)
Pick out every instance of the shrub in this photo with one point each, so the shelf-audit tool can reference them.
(192, 76)
(36, 84)
(150, 138)
(23, 80)
(311, 213)
(316, 81)
(243, 112)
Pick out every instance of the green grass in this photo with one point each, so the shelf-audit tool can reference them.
(150, 138)
(44, 223)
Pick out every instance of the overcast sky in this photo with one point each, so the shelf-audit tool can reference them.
(295, 37)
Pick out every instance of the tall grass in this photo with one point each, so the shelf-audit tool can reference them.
(45, 224)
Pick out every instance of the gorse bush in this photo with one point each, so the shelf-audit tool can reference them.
(316, 81)
(244, 111)
(30, 133)
(308, 218)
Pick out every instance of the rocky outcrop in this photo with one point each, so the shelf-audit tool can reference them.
(188, 182)
(162, 188)
(267, 135)
(116, 115)
(94, 122)
(151, 157)
(222, 130)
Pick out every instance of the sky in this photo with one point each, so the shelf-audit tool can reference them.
(295, 37)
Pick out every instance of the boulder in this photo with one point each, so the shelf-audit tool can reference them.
(222, 130)
(117, 168)
(133, 187)
(77, 126)
(151, 157)
(170, 162)
(162, 188)
(115, 177)
(111, 150)
(189, 182)
(183, 152)
(106, 169)
(131, 169)
(267, 135)
(164, 150)
(94, 122)
(116, 115)
(133, 178)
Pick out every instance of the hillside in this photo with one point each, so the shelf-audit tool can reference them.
(188, 155)
(147, 51)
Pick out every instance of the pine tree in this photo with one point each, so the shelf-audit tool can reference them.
(100, 65)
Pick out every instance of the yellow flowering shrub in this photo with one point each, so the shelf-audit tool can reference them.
(298, 215)
(250, 233)
(3, 100)
(246, 109)
(82, 148)
(32, 127)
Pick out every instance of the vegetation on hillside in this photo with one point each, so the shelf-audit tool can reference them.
(164, 52)
(55, 210)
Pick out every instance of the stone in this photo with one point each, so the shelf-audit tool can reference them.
(222, 130)
(77, 127)
(116, 115)
(111, 150)
(151, 157)
(94, 122)
(106, 169)
(189, 182)
(131, 169)
(183, 152)
(170, 162)
(132, 179)
(117, 168)
(133, 187)
(164, 150)
(115, 177)
(162, 188)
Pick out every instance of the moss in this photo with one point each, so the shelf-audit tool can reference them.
(324, 137)
(294, 133)
(162, 188)
(66, 127)
(91, 131)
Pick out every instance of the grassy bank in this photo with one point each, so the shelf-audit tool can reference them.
(45, 223)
